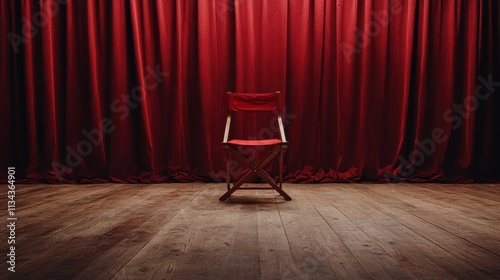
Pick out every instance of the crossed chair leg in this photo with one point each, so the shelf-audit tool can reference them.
(256, 169)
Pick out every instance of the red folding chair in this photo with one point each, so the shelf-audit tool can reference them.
(246, 103)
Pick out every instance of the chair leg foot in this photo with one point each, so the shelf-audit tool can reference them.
(284, 195)
(224, 197)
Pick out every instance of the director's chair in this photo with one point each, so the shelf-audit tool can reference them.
(251, 103)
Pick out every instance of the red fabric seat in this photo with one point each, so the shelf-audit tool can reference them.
(266, 142)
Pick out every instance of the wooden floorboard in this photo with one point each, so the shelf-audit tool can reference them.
(328, 231)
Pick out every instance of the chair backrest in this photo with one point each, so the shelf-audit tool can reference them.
(253, 102)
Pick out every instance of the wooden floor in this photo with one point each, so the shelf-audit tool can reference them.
(182, 231)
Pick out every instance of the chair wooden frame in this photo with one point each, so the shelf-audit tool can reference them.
(256, 169)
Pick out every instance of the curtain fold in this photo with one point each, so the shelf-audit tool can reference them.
(135, 91)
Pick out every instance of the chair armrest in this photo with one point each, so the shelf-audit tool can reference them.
(226, 131)
(282, 129)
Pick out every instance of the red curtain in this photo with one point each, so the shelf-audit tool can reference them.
(135, 91)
